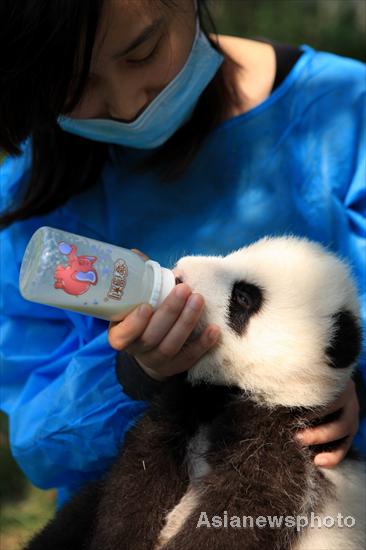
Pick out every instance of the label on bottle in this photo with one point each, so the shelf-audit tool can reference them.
(119, 278)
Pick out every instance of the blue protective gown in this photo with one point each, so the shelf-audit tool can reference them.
(293, 164)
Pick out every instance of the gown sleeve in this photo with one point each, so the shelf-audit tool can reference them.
(355, 203)
(352, 199)
(67, 411)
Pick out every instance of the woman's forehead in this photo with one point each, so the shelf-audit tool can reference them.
(125, 20)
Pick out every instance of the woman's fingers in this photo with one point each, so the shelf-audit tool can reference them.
(325, 433)
(163, 320)
(343, 429)
(345, 425)
(122, 333)
(332, 458)
(189, 354)
(175, 338)
(166, 329)
(137, 251)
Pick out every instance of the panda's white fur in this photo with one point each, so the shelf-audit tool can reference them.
(349, 481)
(280, 358)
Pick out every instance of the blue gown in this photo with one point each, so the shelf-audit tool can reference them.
(293, 164)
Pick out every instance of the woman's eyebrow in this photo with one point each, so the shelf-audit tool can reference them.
(143, 36)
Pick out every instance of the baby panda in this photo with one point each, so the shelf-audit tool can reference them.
(218, 441)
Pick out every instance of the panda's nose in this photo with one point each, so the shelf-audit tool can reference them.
(177, 275)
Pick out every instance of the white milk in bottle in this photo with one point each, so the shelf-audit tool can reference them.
(68, 271)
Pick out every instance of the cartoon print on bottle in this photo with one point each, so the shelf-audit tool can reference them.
(78, 275)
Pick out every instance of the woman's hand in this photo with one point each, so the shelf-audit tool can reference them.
(345, 426)
(158, 340)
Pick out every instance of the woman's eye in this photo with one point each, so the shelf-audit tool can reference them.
(147, 58)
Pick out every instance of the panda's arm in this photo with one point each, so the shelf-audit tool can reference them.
(147, 481)
(135, 382)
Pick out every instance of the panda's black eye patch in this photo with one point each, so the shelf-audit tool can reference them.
(245, 300)
(345, 345)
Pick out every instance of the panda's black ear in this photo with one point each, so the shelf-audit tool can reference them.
(345, 345)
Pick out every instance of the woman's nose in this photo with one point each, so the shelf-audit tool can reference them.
(126, 115)
(126, 105)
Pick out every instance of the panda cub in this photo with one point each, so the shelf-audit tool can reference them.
(216, 446)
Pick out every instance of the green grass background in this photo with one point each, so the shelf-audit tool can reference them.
(24, 508)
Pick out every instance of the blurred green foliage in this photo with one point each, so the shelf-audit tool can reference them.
(24, 508)
(12, 484)
(337, 26)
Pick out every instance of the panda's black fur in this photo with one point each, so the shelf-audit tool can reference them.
(252, 464)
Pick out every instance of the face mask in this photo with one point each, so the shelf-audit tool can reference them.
(166, 113)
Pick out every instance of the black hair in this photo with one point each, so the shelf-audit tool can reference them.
(43, 46)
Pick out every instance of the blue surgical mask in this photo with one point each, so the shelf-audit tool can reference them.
(166, 113)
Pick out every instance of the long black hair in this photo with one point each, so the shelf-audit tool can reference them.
(41, 51)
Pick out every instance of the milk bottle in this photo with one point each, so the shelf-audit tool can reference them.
(69, 271)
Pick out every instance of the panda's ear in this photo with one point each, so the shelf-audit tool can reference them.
(345, 344)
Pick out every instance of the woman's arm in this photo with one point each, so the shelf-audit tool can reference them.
(67, 411)
(350, 205)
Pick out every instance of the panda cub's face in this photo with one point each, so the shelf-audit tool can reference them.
(289, 318)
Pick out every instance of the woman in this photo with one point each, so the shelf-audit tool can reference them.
(206, 143)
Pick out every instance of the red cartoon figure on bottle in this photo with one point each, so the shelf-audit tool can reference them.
(78, 275)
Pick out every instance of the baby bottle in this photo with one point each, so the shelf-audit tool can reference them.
(69, 271)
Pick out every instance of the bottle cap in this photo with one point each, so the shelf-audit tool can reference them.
(167, 284)
(164, 282)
